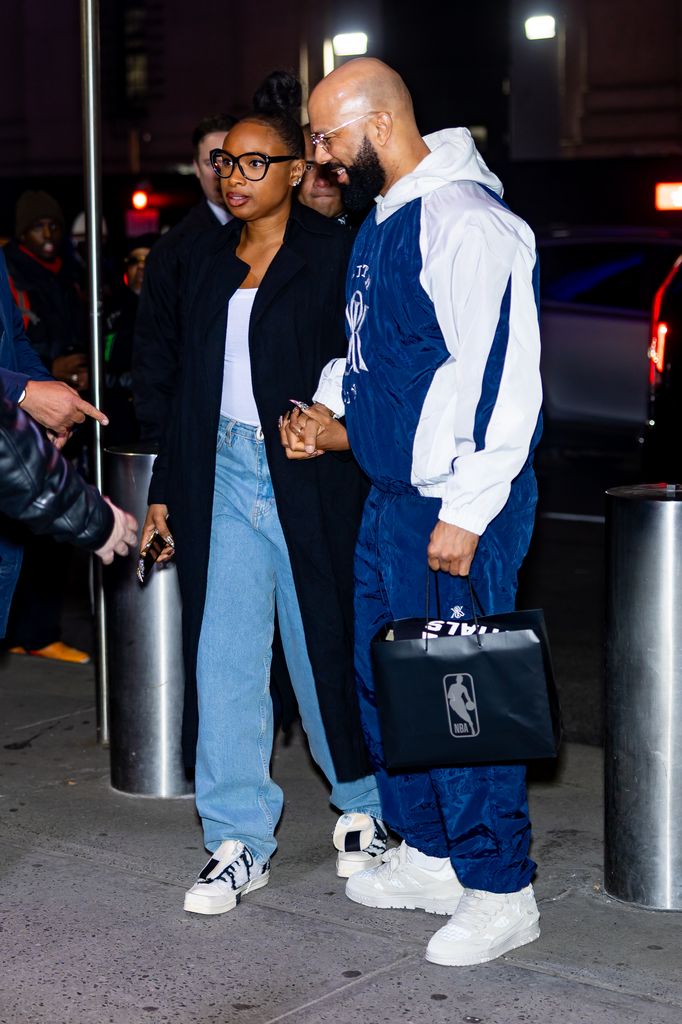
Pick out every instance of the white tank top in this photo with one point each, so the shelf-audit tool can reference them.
(237, 401)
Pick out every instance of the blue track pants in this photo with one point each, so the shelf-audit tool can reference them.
(477, 816)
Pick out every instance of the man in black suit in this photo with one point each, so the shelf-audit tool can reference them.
(156, 353)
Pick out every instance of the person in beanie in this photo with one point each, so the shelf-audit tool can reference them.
(44, 286)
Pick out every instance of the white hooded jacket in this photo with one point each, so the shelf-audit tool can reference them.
(471, 245)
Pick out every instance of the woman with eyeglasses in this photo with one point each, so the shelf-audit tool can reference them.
(262, 307)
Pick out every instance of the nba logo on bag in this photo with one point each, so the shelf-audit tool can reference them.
(460, 701)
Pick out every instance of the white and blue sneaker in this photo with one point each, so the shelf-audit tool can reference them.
(361, 841)
(231, 872)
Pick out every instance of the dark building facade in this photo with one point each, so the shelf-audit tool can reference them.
(607, 87)
(164, 64)
(609, 84)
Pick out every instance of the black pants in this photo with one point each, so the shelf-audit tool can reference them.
(35, 618)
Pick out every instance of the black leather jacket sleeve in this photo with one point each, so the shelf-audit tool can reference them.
(38, 486)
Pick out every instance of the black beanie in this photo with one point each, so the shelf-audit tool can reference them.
(33, 206)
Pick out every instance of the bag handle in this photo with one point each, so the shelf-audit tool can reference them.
(475, 600)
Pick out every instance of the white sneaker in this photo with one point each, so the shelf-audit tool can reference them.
(484, 926)
(407, 880)
(360, 840)
(230, 874)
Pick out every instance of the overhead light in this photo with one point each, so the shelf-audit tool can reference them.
(327, 57)
(541, 26)
(350, 44)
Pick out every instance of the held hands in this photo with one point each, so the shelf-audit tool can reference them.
(305, 434)
(451, 549)
(156, 520)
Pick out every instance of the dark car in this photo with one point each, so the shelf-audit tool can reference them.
(597, 285)
(663, 433)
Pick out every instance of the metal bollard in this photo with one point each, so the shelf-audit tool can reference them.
(643, 755)
(144, 649)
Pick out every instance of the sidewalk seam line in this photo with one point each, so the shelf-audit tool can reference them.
(593, 983)
(63, 849)
(341, 989)
(57, 718)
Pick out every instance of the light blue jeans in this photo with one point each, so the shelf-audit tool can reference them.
(248, 574)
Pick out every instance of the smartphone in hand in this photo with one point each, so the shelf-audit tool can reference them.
(149, 554)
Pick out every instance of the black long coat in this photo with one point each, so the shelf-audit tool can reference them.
(296, 328)
(156, 354)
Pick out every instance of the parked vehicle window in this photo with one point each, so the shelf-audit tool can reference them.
(613, 275)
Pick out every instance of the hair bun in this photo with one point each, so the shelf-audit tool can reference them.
(280, 93)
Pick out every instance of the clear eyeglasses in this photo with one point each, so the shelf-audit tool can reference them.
(323, 138)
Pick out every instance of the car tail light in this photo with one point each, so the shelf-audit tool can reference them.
(659, 329)
(657, 349)
(668, 195)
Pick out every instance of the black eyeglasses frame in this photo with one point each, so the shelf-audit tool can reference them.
(236, 162)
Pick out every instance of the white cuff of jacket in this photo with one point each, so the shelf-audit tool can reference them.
(329, 389)
(466, 520)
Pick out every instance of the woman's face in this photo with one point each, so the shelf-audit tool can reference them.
(250, 200)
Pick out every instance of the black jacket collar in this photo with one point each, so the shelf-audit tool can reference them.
(302, 220)
(225, 271)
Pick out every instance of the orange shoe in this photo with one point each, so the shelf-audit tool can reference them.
(59, 651)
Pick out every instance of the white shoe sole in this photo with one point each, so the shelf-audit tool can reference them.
(530, 934)
(195, 904)
(431, 906)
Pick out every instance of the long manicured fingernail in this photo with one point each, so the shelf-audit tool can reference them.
(280, 421)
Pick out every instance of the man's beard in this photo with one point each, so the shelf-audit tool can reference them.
(366, 178)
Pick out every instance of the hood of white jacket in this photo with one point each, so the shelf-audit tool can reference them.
(453, 157)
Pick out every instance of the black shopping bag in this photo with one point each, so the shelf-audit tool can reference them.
(483, 695)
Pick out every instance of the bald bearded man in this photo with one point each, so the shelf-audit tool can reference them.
(441, 396)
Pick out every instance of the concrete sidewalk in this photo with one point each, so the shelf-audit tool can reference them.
(93, 930)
